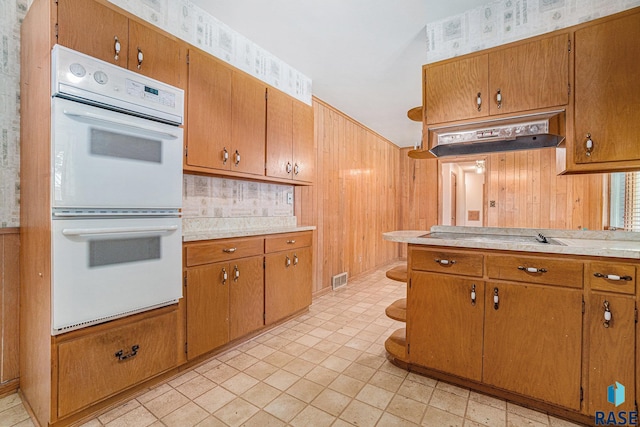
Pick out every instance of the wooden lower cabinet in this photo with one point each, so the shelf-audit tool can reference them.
(224, 302)
(532, 341)
(445, 324)
(288, 274)
(94, 366)
(611, 351)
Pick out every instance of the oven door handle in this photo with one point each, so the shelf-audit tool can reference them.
(108, 120)
(117, 230)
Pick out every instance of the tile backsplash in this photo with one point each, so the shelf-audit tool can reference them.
(213, 197)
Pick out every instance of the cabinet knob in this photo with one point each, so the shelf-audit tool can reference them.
(479, 101)
(496, 299)
(225, 156)
(499, 98)
(140, 58)
(588, 144)
(236, 273)
(607, 314)
(473, 294)
(236, 157)
(116, 48)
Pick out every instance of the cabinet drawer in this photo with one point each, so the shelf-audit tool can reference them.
(547, 271)
(464, 263)
(223, 250)
(288, 241)
(89, 368)
(606, 276)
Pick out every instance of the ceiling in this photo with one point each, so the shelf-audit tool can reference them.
(364, 56)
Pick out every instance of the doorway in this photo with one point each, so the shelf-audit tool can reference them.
(462, 191)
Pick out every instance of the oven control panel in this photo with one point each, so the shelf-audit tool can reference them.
(86, 79)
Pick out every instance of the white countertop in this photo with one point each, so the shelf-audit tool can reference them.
(615, 244)
(225, 234)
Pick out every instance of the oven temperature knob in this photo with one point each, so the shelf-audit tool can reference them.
(100, 77)
(77, 70)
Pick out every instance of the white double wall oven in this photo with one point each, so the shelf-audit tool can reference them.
(116, 194)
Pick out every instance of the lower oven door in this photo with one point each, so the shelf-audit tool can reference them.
(109, 268)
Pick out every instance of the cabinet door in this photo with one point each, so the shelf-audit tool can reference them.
(246, 296)
(445, 325)
(611, 351)
(279, 134)
(530, 76)
(532, 341)
(278, 286)
(209, 112)
(91, 28)
(452, 89)
(162, 58)
(302, 276)
(207, 308)
(304, 154)
(607, 91)
(248, 124)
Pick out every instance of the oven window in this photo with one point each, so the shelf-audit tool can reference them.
(111, 144)
(118, 251)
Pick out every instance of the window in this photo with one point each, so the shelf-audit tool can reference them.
(625, 201)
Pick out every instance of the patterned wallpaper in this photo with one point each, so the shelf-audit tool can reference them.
(504, 21)
(212, 197)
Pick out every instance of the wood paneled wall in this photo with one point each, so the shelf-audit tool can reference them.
(355, 197)
(529, 194)
(9, 304)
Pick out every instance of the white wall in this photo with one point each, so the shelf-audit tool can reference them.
(474, 197)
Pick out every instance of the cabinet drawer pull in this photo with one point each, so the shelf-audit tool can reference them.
(588, 144)
(613, 277)
(289, 167)
(532, 269)
(229, 250)
(473, 294)
(295, 259)
(134, 350)
(607, 314)
(236, 157)
(116, 48)
(445, 261)
(296, 169)
(225, 276)
(140, 58)
(287, 262)
(496, 299)
(290, 242)
(236, 273)
(225, 155)
(499, 98)
(479, 101)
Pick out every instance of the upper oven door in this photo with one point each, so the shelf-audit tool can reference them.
(106, 159)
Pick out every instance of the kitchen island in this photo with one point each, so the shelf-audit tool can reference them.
(546, 318)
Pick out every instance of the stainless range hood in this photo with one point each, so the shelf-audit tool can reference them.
(514, 133)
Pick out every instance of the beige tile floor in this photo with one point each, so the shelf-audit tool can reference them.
(325, 368)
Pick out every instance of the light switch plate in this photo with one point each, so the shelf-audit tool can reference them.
(289, 198)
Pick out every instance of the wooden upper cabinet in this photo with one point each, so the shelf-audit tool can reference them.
(452, 89)
(209, 112)
(91, 28)
(279, 134)
(607, 95)
(248, 124)
(527, 76)
(290, 149)
(163, 59)
(97, 30)
(304, 153)
(530, 76)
